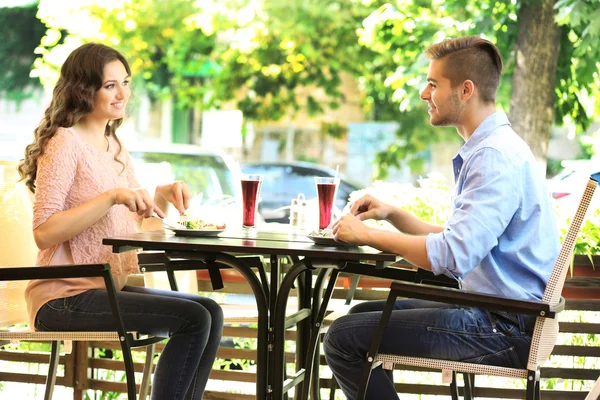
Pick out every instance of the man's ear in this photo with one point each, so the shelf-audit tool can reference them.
(467, 89)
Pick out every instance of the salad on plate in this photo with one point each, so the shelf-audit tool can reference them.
(199, 224)
(325, 237)
(196, 227)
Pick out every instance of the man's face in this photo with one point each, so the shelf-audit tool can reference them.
(445, 106)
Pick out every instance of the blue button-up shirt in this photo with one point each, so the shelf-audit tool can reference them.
(501, 238)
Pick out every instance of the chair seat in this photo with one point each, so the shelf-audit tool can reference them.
(480, 369)
(51, 336)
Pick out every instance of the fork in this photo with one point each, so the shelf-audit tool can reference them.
(182, 221)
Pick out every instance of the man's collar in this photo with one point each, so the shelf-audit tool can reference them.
(484, 129)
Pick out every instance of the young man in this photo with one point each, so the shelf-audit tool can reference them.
(501, 238)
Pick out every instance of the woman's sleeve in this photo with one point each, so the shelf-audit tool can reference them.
(56, 170)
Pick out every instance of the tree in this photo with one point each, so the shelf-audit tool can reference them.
(549, 50)
(164, 41)
(260, 55)
(21, 34)
(288, 46)
(171, 45)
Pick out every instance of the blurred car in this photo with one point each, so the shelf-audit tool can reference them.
(212, 176)
(283, 181)
(573, 177)
(568, 186)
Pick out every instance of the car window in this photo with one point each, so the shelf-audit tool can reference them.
(300, 180)
(272, 177)
(203, 173)
(281, 183)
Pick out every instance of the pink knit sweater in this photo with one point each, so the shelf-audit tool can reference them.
(72, 172)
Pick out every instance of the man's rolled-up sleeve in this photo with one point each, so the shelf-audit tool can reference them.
(488, 198)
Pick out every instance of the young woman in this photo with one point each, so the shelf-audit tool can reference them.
(86, 190)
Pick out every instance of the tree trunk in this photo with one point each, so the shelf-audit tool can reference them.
(532, 99)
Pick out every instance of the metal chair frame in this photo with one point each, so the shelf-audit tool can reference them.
(127, 340)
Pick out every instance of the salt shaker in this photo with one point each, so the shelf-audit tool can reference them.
(298, 211)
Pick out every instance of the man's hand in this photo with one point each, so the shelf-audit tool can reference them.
(351, 229)
(176, 193)
(136, 200)
(368, 207)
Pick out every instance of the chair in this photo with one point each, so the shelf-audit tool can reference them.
(12, 281)
(544, 334)
(17, 248)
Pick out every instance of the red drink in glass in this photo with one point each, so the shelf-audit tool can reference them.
(326, 188)
(250, 191)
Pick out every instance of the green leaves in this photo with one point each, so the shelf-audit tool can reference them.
(588, 238)
(397, 35)
(286, 57)
(21, 33)
(295, 45)
(577, 75)
(170, 45)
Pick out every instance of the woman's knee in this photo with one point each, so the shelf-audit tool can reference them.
(215, 310)
(198, 317)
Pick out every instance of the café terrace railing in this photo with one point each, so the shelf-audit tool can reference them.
(582, 292)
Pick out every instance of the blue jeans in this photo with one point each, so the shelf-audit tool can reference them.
(419, 328)
(193, 324)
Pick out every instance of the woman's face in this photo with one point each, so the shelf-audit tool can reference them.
(112, 96)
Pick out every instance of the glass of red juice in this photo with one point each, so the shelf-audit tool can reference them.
(326, 190)
(250, 191)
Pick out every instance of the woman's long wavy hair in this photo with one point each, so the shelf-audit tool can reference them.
(81, 76)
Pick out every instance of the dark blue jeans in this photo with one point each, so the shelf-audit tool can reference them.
(419, 328)
(193, 324)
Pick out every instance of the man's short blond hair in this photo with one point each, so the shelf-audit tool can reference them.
(470, 58)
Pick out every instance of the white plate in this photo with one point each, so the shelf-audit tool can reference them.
(326, 241)
(195, 232)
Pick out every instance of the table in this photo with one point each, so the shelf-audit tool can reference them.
(271, 295)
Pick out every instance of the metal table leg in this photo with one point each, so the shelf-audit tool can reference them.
(304, 326)
(262, 375)
(278, 367)
(313, 346)
(278, 385)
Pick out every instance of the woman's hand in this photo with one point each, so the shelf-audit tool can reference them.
(368, 207)
(176, 193)
(137, 201)
(351, 229)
